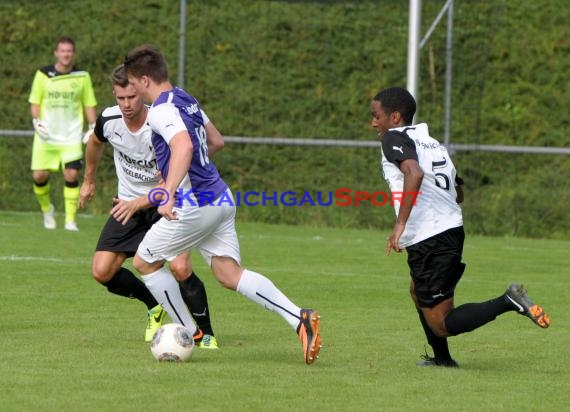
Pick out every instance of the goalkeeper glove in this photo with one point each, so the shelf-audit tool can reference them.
(88, 133)
(40, 128)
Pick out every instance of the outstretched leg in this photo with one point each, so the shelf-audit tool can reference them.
(262, 291)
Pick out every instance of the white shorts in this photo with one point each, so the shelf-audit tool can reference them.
(210, 229)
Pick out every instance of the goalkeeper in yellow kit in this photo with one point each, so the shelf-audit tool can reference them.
(61, 94)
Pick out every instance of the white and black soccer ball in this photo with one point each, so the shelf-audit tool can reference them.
(172, 343)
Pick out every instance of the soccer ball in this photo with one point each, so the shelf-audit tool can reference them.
(172, 343)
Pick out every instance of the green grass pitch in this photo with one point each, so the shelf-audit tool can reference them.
(66, 344)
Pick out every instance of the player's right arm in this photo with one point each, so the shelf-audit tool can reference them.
(399, 149)
(40, 126)
(165, 120)
(93, 153)
(35, 99)
(35, 110)
(179, 164)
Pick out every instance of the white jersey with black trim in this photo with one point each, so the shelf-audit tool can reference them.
(436, 208)
(135, 161)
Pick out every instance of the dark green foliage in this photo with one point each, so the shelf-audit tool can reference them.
(308, 69)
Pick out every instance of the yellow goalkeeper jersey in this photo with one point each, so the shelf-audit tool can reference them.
(62, 98)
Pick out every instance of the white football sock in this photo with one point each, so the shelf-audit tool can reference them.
(261, 290)
(166, 291)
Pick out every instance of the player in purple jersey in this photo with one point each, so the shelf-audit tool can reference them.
(431, 228)
(125, 127)
(191, 221)
(203, 177)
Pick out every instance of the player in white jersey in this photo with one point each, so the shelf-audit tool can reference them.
(183, 158)
(125, 127)
(429, 226)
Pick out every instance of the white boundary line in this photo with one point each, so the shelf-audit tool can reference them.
(15, 258)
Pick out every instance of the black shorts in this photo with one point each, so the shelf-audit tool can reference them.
(119, 238)
(436, 267)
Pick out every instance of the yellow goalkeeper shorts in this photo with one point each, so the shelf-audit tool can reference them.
(52, 157)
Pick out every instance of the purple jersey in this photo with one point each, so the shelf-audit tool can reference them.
(176, 111)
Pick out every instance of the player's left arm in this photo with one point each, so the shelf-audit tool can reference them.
(214, 138)
(459, 189)
(123, 210)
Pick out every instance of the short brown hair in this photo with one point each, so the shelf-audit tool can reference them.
(147, 60)
(119, 76)
(64, 40)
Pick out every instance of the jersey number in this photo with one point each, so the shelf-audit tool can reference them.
(441, 179)
(203, 149)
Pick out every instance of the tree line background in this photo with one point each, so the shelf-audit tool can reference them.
(308, 69)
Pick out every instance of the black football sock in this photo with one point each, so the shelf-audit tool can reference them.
(471, 316)
(194, 295)
(125, 283)
(438, 344)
